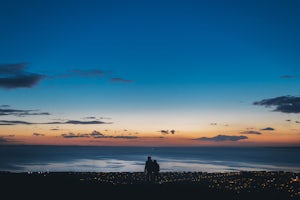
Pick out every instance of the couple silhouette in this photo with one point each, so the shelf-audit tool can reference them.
(151, 170)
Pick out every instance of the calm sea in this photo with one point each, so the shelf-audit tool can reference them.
(132, 159)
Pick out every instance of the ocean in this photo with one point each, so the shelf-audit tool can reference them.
(27, 158)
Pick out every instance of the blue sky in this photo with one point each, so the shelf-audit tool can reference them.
(160, 61)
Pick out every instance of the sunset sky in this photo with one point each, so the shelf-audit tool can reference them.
(150, 73)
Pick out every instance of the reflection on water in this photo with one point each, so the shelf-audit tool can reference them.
(166, 165)
(132, 159)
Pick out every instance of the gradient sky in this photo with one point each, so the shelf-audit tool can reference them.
(129, 72)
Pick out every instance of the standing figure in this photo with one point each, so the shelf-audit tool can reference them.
(155, 171)
(149, 169)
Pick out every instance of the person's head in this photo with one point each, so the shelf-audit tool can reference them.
(149, 157)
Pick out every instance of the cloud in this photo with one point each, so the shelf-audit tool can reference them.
(89, 73)
(164, 131)
(3, 140)
(4, 106)
(89, 118)
(288, 120)
(251, 132)
(14, 76)
(72, 135)
(54, 129)
(38, 134)
(20, 113)
(124, 137)
(222, 138)
(74, 122)
(95, 134)
(79, 122)
(284, 104)
(297, 122)
(287, 76)
(267, 129)
(13, 122)
(213, 124)
(120, 80)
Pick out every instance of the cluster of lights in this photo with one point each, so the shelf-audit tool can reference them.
(239, 182)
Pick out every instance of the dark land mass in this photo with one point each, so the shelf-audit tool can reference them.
(169, 185)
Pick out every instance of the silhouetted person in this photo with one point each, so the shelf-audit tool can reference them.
(155, 171)
(149, 169)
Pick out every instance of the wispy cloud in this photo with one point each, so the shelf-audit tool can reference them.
(20, 113)
(120, 80)
(222, 138)
(79, 122)
(13, 122)
(74, 122)
(287, 76)
(38, 134)
(284, 104)
(165, 132)
(267, 129)
(123, 137)
(251, 132)
(73, 135)
(4, 106)
(89, 73)
(96, 134)
(15, 76)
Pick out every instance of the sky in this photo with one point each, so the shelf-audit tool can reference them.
(150, 73)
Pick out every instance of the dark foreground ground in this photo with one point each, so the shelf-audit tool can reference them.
(170, 185)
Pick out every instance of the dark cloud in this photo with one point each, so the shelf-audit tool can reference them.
(72, 135)
(54, 129)
(120, 80)
(89, 118)
(213, 124)
(80, 122)
(267, 129)
(4, 106)
(13, 122)
(124, 137)
(287, 76)
(298, 122)
(12, 68)
(96, 134)
(251, 132)
(15, 76)
(223, 138)
(164, 131)
(20, 113)
(88, 73)
(288, 120)
(74, 122)
(38, 134)
(285, 104)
